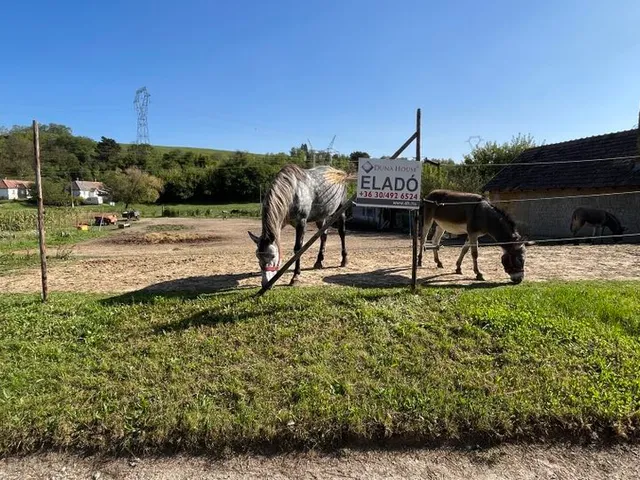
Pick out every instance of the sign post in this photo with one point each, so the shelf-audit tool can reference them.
(388, 183)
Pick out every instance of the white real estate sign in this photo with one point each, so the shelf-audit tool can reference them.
(389, 183)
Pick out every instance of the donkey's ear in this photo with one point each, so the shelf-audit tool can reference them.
(255, 238)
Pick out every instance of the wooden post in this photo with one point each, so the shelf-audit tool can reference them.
(41, 236)
(416, 214)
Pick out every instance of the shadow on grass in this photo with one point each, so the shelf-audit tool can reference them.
(383, 278)
(189, 287)
(388, 278)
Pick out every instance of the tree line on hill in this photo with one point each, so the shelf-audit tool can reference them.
(147, 174)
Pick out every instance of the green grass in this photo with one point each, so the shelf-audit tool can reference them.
(21, 241)
(179, 210)
(319, 367)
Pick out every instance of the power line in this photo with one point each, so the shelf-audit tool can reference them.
(518, 200)
(527, 164)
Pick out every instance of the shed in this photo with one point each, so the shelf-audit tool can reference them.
(606, 166)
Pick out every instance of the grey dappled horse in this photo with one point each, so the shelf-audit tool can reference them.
(471, 214)
(299, 196)
(598, 219)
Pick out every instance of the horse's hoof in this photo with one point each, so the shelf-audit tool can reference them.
(458, 271)
(294, 281)
(480, 277)
(344, 263)
(318, 266)
(419, 263)
(439, 265)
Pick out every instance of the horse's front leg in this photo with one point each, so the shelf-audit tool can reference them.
(342, 221)
(323, 241)
(473, 240)
(300, 228)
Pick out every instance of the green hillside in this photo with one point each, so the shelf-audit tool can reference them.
(206, 151)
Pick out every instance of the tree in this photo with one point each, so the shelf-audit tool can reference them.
(107, 152)
(490, 153)
(354, 156)
(54, 192)
(133, 186)
(494, 153)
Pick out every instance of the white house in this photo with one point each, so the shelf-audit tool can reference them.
(91, 192)
(15, 189)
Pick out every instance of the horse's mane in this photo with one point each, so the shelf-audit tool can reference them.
(278, 199)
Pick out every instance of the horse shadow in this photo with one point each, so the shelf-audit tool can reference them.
(389, 278)
(189, 287)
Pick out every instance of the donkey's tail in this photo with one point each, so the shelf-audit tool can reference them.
(333, 175)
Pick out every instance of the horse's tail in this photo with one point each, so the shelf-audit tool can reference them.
(340, 177)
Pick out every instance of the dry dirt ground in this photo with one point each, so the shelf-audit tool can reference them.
(208, 255)
(507, 462)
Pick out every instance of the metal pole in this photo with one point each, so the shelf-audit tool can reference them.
(41, 236)
(416, 214)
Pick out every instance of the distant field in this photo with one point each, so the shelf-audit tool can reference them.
(207, 151)
(172, 210)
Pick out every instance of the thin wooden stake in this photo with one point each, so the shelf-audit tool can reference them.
(416, 213)
(41, 236)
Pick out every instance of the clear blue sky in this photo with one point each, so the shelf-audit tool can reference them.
(264, 76)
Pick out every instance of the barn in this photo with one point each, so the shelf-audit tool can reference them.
(605, 166)
(15, 189)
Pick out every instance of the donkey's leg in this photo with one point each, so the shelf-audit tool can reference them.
(463, 252)
(473, 240)
(300, 228)
(323, 241)
(342, 221)
(425, 226)
(424, 233)
(576, 225)
(437, 236)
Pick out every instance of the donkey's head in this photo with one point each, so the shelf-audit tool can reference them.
(269, 257)
(513, 258)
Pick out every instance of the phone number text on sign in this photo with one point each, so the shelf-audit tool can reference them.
(389, 183)
(390, 195)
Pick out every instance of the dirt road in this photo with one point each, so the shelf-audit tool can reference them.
(507, 462)
(208, 255)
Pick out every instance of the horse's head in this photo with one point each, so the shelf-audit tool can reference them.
(513, 258)
(269, 258)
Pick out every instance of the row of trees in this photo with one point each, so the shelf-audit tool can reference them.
(143, 173)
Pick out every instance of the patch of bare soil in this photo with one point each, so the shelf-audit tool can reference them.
(225, 259)
(506, 462)
(156, 238)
